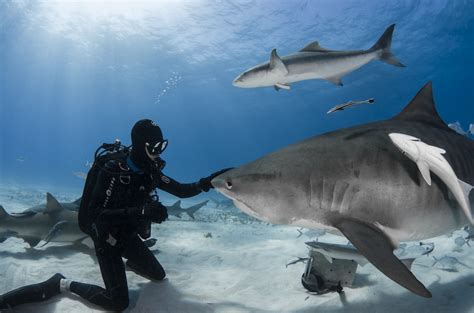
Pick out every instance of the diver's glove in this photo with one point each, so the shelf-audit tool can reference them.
(205, 183)
(153, 211)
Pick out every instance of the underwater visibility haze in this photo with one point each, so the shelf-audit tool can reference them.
(76, 74)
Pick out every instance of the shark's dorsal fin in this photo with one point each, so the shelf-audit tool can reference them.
(177, 204)
(52, 205)
(422, 108)
(313, 47)
(276, 64)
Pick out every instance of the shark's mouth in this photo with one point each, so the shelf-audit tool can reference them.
(241, 205)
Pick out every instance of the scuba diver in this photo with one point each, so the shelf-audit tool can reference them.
(118, 205)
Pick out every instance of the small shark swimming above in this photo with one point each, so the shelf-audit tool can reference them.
(355, 182)
(343, 106)
(430, 158)
(315, 62)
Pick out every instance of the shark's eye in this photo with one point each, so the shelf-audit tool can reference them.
(229, 184)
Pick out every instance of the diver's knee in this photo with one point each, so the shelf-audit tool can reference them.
(119, 304)
(155, 273)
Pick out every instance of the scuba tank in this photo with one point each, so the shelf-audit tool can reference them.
(103, 154)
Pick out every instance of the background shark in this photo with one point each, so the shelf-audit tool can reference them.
(354, 181)
(176, 209)
(57, 222)
(49, 222)
(315, 62)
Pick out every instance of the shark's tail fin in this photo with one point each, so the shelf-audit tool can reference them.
(383, 44)
(194, 208)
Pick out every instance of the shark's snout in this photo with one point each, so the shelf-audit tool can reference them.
(238, 81)
(222, 183)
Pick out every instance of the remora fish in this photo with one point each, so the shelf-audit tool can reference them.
(176, 209)
(332, 251)
(355, 181)
(315, 62)
(349, 104)
(49, 222)
(430, 158)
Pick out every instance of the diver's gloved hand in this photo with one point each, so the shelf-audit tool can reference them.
(153, 211)
(205, 183)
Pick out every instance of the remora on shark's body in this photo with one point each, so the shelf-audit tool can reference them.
(355, 181)
(430, 158)
(315, 62)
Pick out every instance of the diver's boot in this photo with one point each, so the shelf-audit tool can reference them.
(52, 285)
(32, 293)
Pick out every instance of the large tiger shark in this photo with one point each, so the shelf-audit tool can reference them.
(354, 181)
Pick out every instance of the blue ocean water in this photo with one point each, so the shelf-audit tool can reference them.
(76, 74)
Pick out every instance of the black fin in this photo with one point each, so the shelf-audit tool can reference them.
(422, 108)
(377, 247)
(384, 43)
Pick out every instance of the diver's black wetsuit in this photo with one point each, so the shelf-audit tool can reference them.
(116, 234)
(117, 208)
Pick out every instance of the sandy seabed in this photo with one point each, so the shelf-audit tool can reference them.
(226, 263)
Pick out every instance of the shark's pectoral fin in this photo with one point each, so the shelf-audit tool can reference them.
(54, 232)
(335, 80)
(377, 247)
(279, 86)
(425, 171)
(276, 64)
